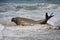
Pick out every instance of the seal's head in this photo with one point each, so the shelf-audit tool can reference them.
(16, 20)
(13, 19)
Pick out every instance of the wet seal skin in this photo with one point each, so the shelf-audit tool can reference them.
(26, 21)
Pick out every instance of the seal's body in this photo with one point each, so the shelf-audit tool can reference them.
(23, 21)
(26, 21)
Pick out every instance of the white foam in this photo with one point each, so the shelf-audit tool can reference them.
(1, 27)
(1, 33)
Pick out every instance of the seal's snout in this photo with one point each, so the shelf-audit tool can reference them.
(12, 20)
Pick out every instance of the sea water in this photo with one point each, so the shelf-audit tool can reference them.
(33, 10)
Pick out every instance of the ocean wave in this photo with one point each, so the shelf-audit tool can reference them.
(17, 7)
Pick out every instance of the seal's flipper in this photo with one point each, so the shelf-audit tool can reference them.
(46, 15)
(51, 15)
(46, 18)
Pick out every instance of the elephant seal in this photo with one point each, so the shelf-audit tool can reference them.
(26, 21)
(23, 21)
